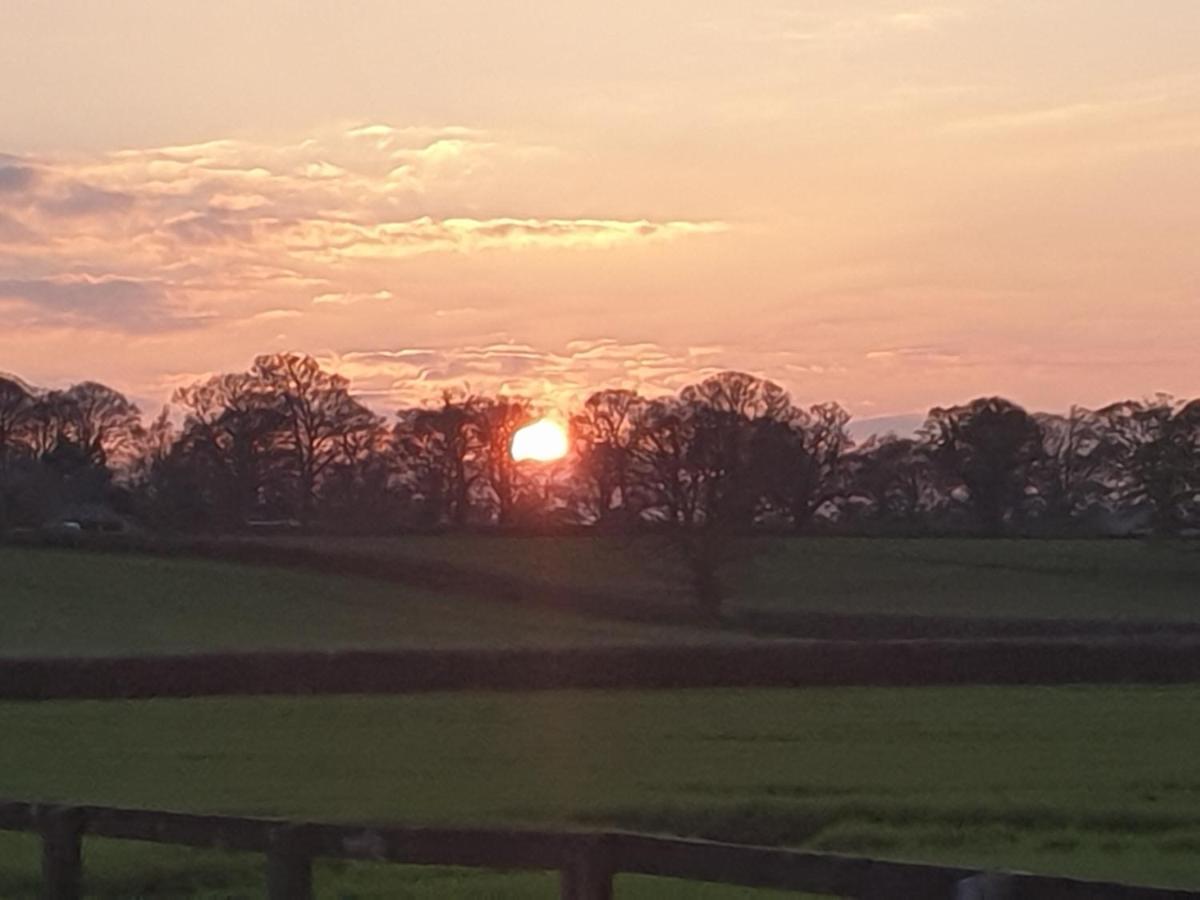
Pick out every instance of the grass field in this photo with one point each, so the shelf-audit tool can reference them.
(66, 603)
(1051, 579)
(1097, 781)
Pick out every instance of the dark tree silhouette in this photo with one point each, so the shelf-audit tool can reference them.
(101, 422)
(439, 450)
(319, 419)
(497, 420)
(1156, 449)
(606, 433)
(17, 404)
(893, 476)
(801, 460)
(988, 447)
(703, 461)
(228, 447)
(1071, 474)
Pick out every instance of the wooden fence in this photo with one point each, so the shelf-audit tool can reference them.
(587, 861)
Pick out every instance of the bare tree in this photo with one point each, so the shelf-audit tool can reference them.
(497, 420)
(1074, 466)
(231, 433)
(700, 462)
(318, 417)
(800, 458)
(606, 434)
(893, 475)
(989, 447)
(102, 422)
(1156, 458)
(439, 448)
(17, 405)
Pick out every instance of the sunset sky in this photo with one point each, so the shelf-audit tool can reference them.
(887, 204)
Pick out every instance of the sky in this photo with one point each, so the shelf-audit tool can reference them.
(893, 204)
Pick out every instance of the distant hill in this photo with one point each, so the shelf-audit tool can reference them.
(902, 426)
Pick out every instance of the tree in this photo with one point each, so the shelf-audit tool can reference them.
(102, 422)
(228, 448)
(801, 459)
(1074, 464)
(606, 435)
(318, 417)
(702, 467)
(17, 404)
(439, 449)
(16, 408)
(1155, 448)
(496, 420)
(893, 475)
(988, 447)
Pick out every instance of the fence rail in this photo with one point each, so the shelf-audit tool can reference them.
(586, 860)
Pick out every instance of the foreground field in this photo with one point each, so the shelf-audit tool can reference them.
(67, 603)
(1038, 579)
(1097, 781)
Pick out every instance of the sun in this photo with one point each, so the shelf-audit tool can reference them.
(542, 441)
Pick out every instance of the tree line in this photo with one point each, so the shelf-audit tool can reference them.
(288, 442)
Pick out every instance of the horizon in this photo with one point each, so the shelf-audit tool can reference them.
(892, 205)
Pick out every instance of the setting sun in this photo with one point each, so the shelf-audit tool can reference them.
(543, 441)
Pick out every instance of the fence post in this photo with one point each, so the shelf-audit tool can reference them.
(289, 866)
(588, 874)
(62, 853)
(985, 887)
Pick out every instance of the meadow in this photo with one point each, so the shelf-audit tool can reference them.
(1097, 781)
(1093, 781)
(919, 577)
(71, 603)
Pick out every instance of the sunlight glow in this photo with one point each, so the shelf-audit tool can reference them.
(543, 441)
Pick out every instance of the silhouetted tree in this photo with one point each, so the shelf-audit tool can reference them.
(319, 419)
(1072, 472)
(606, 434)
(893, 476)
(228, 449)
(439, 449)
(702, 466)
(17, 403)
(496, 421)
(800, 460)
(1156, 449)
(16, 407)
(988, 448)
(103, 423)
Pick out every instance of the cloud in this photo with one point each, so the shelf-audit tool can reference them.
(838, 26)
(1050, 116)
(408, 376)
(87, 200)
(274, 315)
(105, 301)
(207, 229)
(350, 298)
(12, 231)
(16, 178)
(234, 225)
(331, 240)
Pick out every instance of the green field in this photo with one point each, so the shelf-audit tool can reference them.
(62, 602)
(1096, 781)
(67, 603)
(1052, 579)
(1092, 781)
